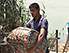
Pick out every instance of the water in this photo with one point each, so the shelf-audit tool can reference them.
(57, 12)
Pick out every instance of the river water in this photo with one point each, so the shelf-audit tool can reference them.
(57, 12)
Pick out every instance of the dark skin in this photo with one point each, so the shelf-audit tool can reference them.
(36, 14)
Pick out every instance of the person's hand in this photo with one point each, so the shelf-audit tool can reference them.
(40, 37)
(29, 50)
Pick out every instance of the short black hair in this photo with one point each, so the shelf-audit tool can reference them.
(35, 5)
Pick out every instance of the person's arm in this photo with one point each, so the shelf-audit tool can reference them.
(28, 25)
(40, 37)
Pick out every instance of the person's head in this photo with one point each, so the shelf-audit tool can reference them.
(34, 9)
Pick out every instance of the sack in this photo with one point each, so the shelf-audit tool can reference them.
(23, 38)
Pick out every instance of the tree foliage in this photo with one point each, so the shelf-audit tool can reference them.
(14, 14)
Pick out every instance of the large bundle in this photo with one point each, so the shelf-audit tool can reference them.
(23, 38)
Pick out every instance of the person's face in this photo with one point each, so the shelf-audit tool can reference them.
(34, 12)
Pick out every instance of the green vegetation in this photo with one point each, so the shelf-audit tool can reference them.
(13, 14)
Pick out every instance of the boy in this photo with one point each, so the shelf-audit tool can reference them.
(38, 23)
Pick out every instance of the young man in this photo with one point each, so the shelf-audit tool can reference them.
(38, 23)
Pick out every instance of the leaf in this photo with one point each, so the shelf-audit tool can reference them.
(43, 11)
(59, 34)
(62, 29)
(43, 5)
